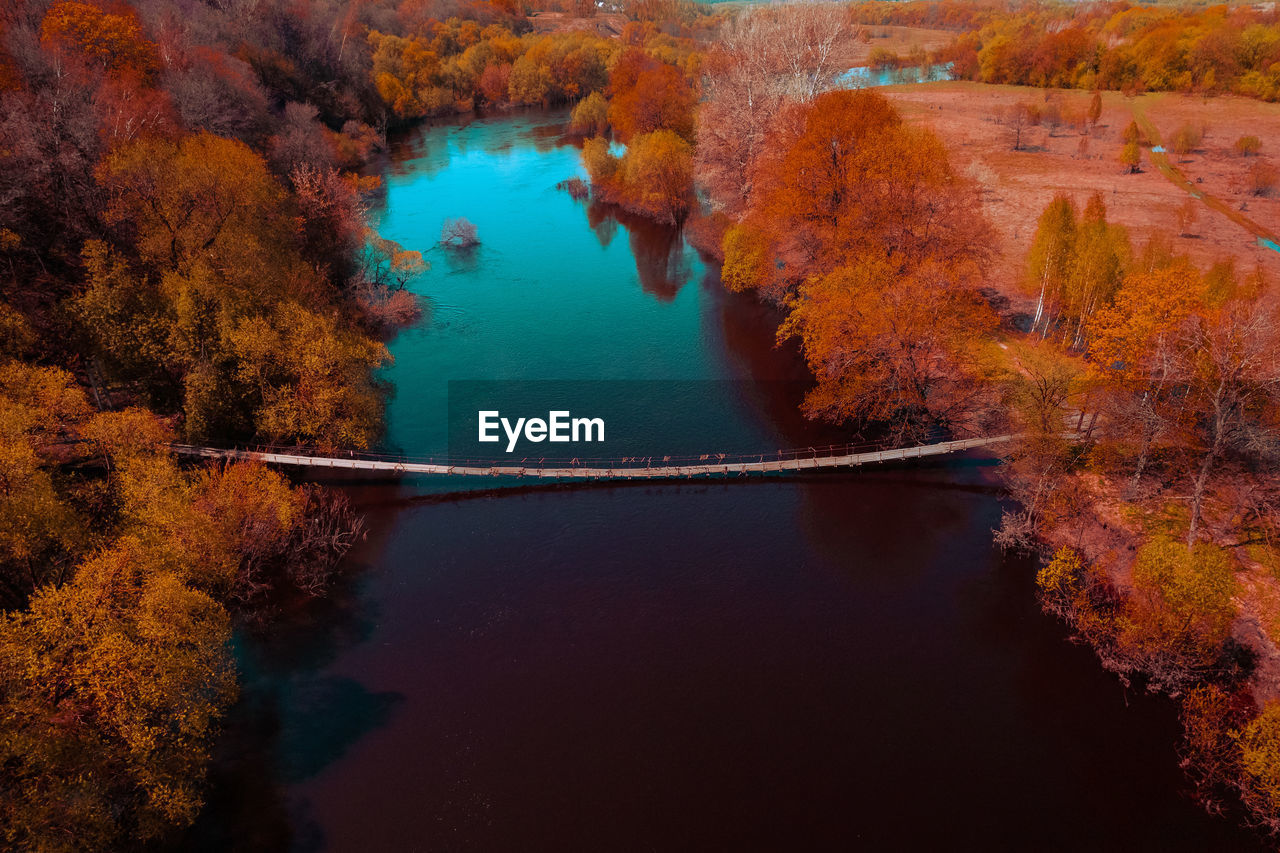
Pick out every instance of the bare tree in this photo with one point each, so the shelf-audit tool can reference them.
(1188, 216)
(766, 57)
(458, 233)
(1230, 363)
(1018, 118)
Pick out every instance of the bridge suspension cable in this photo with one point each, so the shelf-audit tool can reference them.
(626, 468)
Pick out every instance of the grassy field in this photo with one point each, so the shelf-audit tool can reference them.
(1017, 185)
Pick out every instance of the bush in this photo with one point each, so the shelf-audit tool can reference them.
(576, 188)
(1260, 761)
(1263, 178)
(1248, 146)
(458, 234)
(591, 116)
(388, 308)
(1131, 156)
(1186, 139)
(601, 164)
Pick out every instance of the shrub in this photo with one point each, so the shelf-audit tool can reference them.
(1131, 156)
(1186, 139)
(601, 164)
(1260, 761)
(1262, 179)
(576, 188)
(1248, 146)
(458, 234)
(591, 116)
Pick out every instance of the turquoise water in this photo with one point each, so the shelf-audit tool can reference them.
(1268, 244)
(863, 77)
(546, 295)
(558, 289)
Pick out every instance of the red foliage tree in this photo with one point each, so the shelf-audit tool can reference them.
(648, 96)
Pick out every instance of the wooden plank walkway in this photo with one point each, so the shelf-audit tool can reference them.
(563, 471)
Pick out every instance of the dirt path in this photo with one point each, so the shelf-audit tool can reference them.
(1174, 174)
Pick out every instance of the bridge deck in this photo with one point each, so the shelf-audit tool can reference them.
(561, 471)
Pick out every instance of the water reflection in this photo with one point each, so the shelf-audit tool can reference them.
(602, 222)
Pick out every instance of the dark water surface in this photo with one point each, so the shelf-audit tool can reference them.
(830, 662)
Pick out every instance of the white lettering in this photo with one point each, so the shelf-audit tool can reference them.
(559, 428)
(587, 424)
(559, 423)
(488, 423)
(513, 435)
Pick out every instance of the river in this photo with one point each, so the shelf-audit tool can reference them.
(837, 661)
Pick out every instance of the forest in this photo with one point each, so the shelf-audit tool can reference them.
(187, 256)
(1116, 45)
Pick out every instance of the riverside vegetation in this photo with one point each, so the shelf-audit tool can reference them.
(186, 255)
(1145, 390)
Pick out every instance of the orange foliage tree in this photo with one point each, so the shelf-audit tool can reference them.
(653, 178)
(859, 224)
(114, 40)
(648, 95)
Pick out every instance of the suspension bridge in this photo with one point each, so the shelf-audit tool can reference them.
(627, 468)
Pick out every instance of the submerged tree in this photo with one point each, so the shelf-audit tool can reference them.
(458, 233)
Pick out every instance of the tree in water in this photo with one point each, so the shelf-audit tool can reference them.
(458, 233)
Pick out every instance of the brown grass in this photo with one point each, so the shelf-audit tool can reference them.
(604, 23)
(1018, 184)
(900, 40)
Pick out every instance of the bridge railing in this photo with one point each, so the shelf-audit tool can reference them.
(638, 461)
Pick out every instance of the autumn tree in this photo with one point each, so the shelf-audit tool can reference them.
(1186, 139)
(854, 222)
(1262, 179)
(1228, 360)
(1131, 345)
(1180, 613)
(201, 202)
(1051, 257)
(1258, 743)
(1044, 393)
(311, 380)
(459, 233)
(41, 529)
(211, 318)
(1248, 146)
(903, 349)
(1074, 267)
(302, 142)
(1188, 215)
(112, 39)
(590, 116)
(648, 96)
(848, 175)
(1131, 157)
(111, 685)
(1018, 119)
(653, 178)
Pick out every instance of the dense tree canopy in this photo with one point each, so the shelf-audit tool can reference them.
(858, 223)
